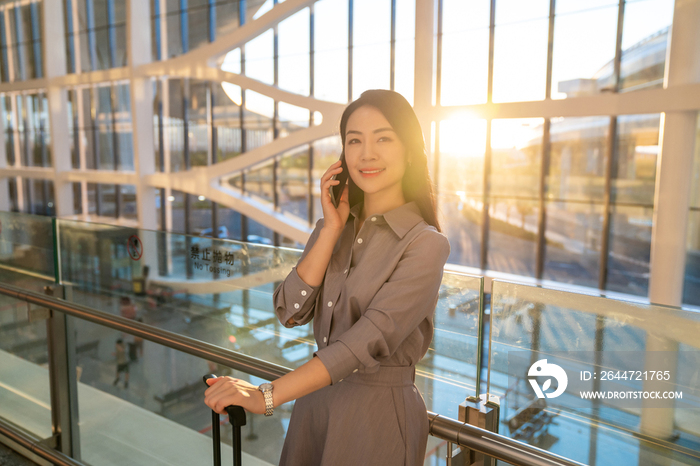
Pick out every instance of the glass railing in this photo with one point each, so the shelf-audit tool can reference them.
(622, 379)
(216, 291)
(220, 292)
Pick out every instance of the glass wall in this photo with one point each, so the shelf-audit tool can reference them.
(691, 287)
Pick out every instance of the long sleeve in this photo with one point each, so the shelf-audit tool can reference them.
(294, 298)
(405, 302)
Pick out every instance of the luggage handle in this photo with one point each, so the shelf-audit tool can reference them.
(236, 415)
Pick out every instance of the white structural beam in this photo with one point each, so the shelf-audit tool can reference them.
(54, 49)
(139, 33)
(672, 195)
(423, 67)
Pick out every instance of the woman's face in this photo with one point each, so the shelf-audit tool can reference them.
(370, 145)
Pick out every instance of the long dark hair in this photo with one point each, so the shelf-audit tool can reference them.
(416, 184)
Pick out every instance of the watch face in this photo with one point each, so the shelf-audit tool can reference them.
(266, 386)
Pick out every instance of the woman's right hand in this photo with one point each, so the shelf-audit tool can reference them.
(334, 218)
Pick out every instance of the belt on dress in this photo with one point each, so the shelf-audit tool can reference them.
(387, 376)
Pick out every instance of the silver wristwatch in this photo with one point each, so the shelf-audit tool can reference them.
(266, 390)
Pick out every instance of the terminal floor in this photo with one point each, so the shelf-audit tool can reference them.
(9, 457)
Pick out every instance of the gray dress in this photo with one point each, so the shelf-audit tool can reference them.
(373, 321)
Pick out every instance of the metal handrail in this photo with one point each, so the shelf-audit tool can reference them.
(39, 449)
(465, 435)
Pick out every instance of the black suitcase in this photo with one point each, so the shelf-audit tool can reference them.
(236, 415)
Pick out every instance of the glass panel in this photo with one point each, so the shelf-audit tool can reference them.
(462, 217)
(258, 181)
(293, 62)
(200, 216)
(371, 45)
(293, 179)
(404, 62)
(521, 38)
(229, 223)
(448, 372)
(26, 246)
(128, 201)
(465, 52)
(326, 152)
(645, 37)
(589, 344)
(691, 285)
(198, 26)
(630, 249)
(634, 167)
(583, 55)
(197, 126)
(259, 63)
(512, 243)
(291, 118)
(573, 238)
(258, 113)
(577, 163)
(331, 50)
(127, 381)
(462, 145)
(227, 120)
(516, 157)
(226, 17)
(25, 398)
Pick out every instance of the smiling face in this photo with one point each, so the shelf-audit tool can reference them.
(375, 156)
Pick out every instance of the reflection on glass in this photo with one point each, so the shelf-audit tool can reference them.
(26, 245)
(520, 50)
(582, 333)
(691, 286)
(291, 118)
(126, 381)
(634, 165)
(465, 52)
(226, 100)
(448, 372)
(371, 51)
(293, 61)
(258, 181)
(200, 217)
(257, 119)
(293, 179)
(645, 36)
(630, 249)
(461, 221)
(25, 398)
(331, 50)
(197, 127)
(512, 243)
(516, 154)
(581, 51)
(573, 239)
(577, 163)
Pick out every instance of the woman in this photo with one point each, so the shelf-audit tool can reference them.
(369, 278)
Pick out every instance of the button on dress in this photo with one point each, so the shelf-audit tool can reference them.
(373, 321)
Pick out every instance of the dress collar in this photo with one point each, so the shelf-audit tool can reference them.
(400, 219)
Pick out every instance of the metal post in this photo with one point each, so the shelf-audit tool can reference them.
(62, 378)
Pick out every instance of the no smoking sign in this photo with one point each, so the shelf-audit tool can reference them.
(135, 247)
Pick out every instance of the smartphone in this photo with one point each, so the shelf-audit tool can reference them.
(337, 190)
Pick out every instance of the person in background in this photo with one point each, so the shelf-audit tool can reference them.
(122, 363)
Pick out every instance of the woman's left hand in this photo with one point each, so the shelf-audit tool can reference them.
(226, 391)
